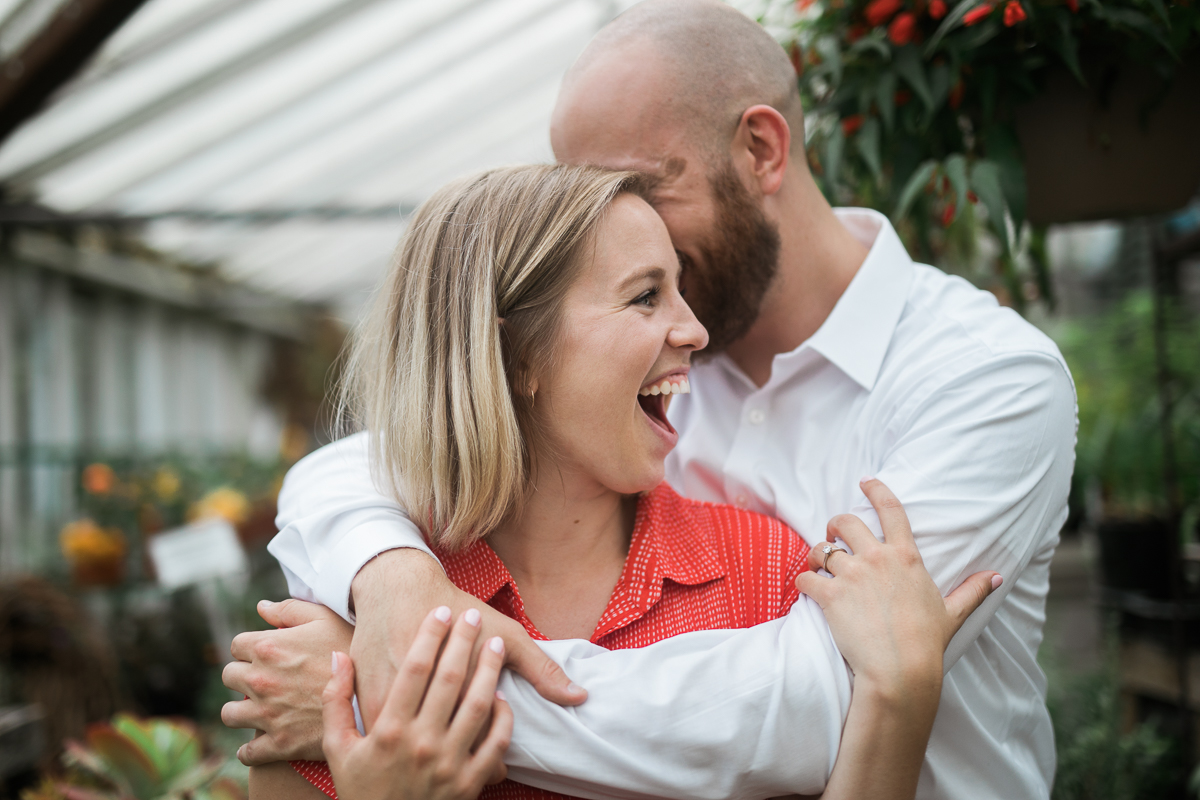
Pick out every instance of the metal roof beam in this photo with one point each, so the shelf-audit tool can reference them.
(199, 85)
(50, 58)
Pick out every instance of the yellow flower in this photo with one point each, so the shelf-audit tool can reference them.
(83, 541)
(226, 502)
(166, 484)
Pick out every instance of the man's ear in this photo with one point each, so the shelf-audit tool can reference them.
(764, 137)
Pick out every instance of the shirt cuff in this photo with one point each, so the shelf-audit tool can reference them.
(352, 553)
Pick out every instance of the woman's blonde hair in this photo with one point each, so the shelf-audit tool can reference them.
(440, 371)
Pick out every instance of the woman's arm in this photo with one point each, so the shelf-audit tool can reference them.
(892, 626)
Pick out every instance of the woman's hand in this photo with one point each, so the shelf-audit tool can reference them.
(887, 616)
(423, 744)
(892, 626)
(282, 672)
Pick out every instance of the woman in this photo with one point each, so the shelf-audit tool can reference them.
(515, 375)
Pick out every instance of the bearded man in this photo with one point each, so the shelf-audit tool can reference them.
(831, 356)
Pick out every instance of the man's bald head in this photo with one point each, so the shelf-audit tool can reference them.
(699, 65)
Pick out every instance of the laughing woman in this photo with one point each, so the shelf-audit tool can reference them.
(514, 376)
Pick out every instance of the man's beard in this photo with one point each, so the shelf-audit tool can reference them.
(740, 260)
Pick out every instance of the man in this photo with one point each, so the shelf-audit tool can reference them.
(832, 355)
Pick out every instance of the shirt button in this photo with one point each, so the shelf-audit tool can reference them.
(757, 416)
(741, 500)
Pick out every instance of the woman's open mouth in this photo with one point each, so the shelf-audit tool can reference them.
(653, 400)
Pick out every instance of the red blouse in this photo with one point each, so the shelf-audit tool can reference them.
(691, 566)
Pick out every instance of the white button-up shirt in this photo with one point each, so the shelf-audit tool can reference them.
(962, 408)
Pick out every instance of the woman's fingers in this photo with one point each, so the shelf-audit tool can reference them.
(488, 762)
(472, 714)
(818, 558)
(892, 518)
(963, 601)
(445, 687)
(404, 697)
(336, 709)
(851, 530)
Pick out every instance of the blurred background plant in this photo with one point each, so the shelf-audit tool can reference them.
(913, 108)
(133, 758)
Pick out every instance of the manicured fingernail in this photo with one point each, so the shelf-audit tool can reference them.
(996, 581)
(333, 669)
(442, 613)
(497, 644)
(500, 696)
(472, 617)
(865, 479)
(265, 604)
(574, 688)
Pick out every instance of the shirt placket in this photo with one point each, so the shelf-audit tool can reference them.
(748, 445)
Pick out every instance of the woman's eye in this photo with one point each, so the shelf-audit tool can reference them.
(647, 297)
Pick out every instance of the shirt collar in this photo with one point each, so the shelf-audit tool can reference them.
(668, 543)
(856, 335)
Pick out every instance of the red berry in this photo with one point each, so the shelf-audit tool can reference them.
(977, 15)
(902, 29)
(937, 9)
(948, 215)
(880, 11)
(852, 123)
(1014, 13)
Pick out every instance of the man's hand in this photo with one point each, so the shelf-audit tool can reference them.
(282, 673)
(393, 593)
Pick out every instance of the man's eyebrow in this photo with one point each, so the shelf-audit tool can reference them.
(650, 273)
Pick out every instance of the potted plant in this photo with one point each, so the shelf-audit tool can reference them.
(1119, 454)
(915, 106)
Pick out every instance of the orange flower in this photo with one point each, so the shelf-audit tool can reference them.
(224, 502)
(803, 5)
(974, 198)
(937, 9)
(977, 15)
(85, 541)
(880, 11)
(1014, 13)
(852, 123)
(948, 215)
(99, 479)
(956, 94)
(902, 29)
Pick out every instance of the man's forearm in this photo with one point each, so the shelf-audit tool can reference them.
(753, 712)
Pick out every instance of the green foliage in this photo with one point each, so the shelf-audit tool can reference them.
(1112, 359)
(142, 759)
(1096, 760)
(910, 103)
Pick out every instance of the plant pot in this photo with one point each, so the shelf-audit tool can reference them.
(1135, 556)
(1088, 156)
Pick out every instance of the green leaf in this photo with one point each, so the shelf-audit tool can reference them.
(1068, 49)
(952, 21)
(908, 65)
(1004, 149)
(1161, 9)
(939, 85)
(1012, 280)
(835, 144)
(1138, 21)
(872, 43)
(885, 98)
(956, 170)
(914, 187)
(1041, 265)
(985, 181)
(831, 57)
(867, 142)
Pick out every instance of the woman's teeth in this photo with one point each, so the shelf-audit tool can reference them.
(666, 387)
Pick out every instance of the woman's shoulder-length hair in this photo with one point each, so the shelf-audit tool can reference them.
(440, 370)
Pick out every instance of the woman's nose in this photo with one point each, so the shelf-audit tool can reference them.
(687, 332)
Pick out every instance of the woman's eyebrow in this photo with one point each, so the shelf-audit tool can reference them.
(651, 273)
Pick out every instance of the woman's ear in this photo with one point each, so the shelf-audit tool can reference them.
(764, 138)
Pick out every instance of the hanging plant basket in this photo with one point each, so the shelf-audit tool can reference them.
(1115, 148)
